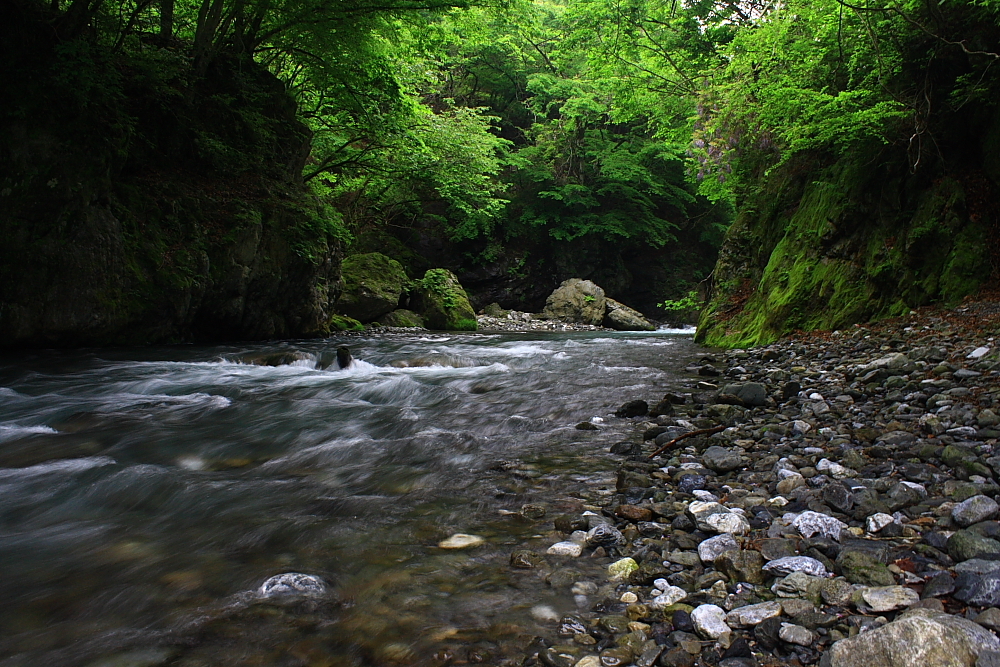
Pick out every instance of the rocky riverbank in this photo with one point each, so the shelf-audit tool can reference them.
(837, 508)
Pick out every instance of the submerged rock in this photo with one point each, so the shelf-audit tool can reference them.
(292, 584)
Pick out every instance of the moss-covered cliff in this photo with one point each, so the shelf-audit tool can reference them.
(827, 243)
(141, 201)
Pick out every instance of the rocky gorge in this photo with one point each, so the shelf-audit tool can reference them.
(827, 499)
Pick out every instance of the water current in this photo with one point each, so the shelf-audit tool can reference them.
(146, 494)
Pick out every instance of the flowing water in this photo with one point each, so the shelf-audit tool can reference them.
(146, 494)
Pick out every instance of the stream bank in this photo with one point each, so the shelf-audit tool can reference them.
(845, 506)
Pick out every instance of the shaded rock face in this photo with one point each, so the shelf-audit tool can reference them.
(124, 228)
(919, 637)
(576, 301)
(622, 318)
(373, 284)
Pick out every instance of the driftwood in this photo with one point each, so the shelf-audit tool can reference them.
(704, 431)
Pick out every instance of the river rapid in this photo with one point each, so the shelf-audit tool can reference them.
(145, 495)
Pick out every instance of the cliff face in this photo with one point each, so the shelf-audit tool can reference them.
(140, 202)
(827, 243)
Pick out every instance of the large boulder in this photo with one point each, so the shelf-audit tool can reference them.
(919, 637)
(576, 300)
(373, 284)
(401, 318)
(444, 303)
(620, 317)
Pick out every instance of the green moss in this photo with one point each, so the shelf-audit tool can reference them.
(344, 323)
(835, 261)
(445, 304)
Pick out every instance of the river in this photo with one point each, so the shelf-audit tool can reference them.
(146, 493)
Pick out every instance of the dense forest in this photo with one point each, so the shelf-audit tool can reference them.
(198, 169)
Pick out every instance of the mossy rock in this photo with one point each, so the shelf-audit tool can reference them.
(401, 318)
(344, 323)
(445, 304)
(373, 284)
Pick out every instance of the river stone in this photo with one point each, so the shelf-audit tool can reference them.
(713, 547)
(859, 567)
(670, 595)
(838, 497)
(978, 566)
(461, 541)
(836, 592)
(787, 565)
(980, 590)
(710, 621)
(751, 615)
(605, 535)
(620, 317)
(796, 634)
(811, 523)
(799, 585)
(878, 521)
(889, 598)
(373, 284)
(989, 618)
(292, 584)
(571, 549)
(974, 510)
(622, 569)
(918, 637)
(445, 302)
(721, 459)
(965, 544)
(735, 524)
(743, 566)
(576, 300)
(677, 657)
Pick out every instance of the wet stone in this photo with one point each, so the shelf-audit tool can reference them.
(789, 564)
(978, 590)
(751, 615)
(796, 634)
(965, 544)
(525, 559)
(291, 585)
(974, 510)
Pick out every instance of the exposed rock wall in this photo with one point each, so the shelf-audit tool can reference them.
(139, 203)
(826, 244)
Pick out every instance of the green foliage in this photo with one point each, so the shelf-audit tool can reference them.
(689, 301)
(438, 281)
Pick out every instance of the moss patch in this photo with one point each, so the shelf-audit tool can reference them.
(849, 243)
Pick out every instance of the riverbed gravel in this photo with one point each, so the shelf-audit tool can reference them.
(844, 515)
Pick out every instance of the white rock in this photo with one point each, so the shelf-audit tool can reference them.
(545, 614)
(572, 549)
(889, 598)
(732, 523)
(789, 564)
(589, 661)
(711, 548)
(292, 584)
(796, 634)
(461, 541)
(754, 614)
(814, 523)
(978, 353)
(710, 621)
(668, 595)
(877, 522)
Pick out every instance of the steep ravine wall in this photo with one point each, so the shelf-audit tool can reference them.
(140, 203)
(826, 243)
